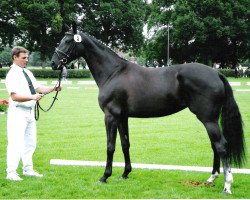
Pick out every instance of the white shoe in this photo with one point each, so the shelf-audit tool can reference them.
(32, 173)
(13, 176)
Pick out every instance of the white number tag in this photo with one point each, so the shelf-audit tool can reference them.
(77, 38)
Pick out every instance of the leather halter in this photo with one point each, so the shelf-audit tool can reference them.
(66, 55)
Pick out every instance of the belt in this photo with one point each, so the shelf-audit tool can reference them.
(24, 108)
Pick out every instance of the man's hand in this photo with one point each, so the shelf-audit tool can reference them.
(37, 97)
(58, 89)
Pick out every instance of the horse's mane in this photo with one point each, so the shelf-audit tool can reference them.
(102, 45)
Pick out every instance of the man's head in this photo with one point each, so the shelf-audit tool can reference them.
(20, 56)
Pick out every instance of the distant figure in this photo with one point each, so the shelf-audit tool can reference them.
(236, 72)
(64, 74)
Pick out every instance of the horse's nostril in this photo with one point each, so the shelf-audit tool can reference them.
(52, 64)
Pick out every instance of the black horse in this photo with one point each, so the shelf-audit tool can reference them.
(128, 90)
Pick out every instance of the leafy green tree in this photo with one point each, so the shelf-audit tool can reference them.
(8, 30)
(5, 57)
(39, 24)
(159, 20)
(33, 24)
(35, 59)
(206, 31)
(117, 23)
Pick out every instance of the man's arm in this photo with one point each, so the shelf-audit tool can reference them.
(44, 89)
(23, 98)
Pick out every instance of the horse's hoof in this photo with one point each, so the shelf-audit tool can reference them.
(213, 177)
(124, 177)
(102, 181)
(226, 192)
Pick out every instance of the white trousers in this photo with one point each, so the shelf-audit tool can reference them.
(22, 139)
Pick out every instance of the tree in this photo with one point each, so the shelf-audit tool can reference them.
(33, 24)
(117, 23)
(38, 24)
(159, 20)
(7, 26)
(209, 31)
(5, 57)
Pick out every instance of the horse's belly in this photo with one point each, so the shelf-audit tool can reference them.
(155, 109)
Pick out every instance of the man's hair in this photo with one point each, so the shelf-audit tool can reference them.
(17, 50)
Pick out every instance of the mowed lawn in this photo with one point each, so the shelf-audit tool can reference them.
(74, 130)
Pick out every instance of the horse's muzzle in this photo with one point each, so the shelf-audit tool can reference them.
(53, 65)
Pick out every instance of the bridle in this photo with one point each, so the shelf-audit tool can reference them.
(57, 51)
(62, 63)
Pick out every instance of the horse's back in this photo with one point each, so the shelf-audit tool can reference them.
(197, 77)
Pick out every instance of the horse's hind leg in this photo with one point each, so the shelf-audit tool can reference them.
(111, 130)
(219, 143)
(216, 166)
(124, 135)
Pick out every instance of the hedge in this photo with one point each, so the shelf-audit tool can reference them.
(72, 73)
(82, 73)
(49, 73)
(227, 72)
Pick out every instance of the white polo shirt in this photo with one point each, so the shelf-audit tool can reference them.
(16, 82)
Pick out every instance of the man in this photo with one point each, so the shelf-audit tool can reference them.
(24, 92)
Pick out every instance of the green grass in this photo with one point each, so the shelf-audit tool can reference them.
(74, 129)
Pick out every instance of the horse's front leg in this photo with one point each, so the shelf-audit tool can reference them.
(111, 130)
(124, 135)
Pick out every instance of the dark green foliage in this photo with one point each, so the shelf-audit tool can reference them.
(202, 31)
(3, 72)
(39, 25)
(227, 72)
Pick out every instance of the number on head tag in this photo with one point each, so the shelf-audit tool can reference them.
(77, 38)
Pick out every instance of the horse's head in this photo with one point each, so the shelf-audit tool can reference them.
(67, 49)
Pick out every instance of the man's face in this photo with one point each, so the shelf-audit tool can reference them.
(21, 60)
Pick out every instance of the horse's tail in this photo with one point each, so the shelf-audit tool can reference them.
(232, 126)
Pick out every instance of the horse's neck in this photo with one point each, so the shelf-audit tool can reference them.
(101, 62)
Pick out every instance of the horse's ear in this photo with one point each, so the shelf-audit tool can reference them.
(74, 26)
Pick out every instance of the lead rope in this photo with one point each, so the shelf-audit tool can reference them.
(38, 106)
